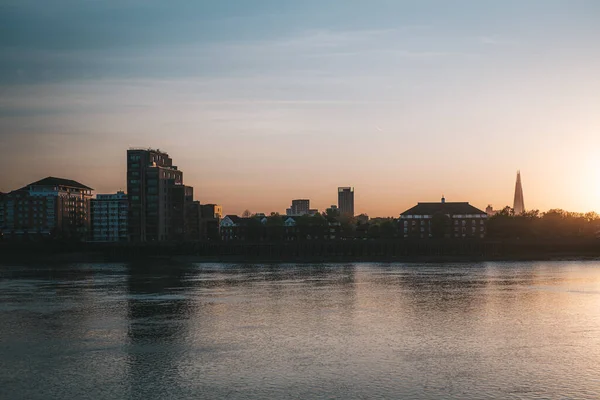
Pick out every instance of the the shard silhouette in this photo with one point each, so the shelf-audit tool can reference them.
(519, 204)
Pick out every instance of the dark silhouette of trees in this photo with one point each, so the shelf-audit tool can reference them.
(554, 223)
(254, 229)
(388, 229)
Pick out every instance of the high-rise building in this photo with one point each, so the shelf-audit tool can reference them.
(519, 203)
(299, 207)
(157, 197)
(49, 207)
(109, 217)
(346, 200)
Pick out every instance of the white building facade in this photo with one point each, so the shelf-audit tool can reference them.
(109, 217)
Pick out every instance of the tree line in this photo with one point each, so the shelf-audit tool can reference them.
(555, 223)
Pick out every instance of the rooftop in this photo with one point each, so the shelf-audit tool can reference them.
(53, 181)
(148, 149)
(443, 208)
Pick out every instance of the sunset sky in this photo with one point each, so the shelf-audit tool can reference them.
(260, 102)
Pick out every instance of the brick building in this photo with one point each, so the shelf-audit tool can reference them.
(51, 207)
(450, 220)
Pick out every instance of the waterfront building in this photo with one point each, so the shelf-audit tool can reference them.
(109, 217)
(233, 227)
(157, 198)
(346, 201)
(519, 202)
(443, 219)
(49, 207)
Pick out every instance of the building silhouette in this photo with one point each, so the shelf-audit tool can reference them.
(49, 207)
(300, 207)
(346, 200)
(158, 199)
(109, 217)
(519, 203)
(443, 219)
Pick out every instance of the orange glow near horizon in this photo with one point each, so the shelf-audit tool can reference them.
(256, 114)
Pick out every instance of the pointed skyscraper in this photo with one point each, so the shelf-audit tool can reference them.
(519, 204)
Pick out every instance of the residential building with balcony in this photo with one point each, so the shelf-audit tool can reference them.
(110, 217)
(158, 200)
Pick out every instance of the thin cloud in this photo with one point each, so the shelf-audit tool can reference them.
(495, 40)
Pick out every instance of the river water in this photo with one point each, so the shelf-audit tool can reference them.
(452, 331)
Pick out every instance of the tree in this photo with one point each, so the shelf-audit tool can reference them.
(331, 213)
(254, 229)
(246, 214)
(388, 229)
(275, 227)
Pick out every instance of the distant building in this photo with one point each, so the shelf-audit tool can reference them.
(158, 200)
(519, 203)
(346, 200)
(299, 207)
(457, 220)
(49, 207)
(109, 217)
(183, 219)
(362, 219)
(333, 209)
(233, 228)
(290, 228)
(489, 210)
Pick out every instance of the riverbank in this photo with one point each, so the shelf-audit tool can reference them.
(307, 252)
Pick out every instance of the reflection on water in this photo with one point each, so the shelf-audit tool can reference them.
(496, 330)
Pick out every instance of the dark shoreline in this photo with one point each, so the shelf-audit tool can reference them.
(310, 252)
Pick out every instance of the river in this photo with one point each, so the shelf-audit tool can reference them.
(453, 331)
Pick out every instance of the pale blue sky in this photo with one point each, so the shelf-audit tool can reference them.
(260, 102)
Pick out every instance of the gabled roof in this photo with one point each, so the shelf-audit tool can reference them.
(234, 218)
(52, 181)
(442, 208)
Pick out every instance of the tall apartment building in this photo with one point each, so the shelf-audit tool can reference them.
(156, 195)
(109, 217)
(49, 207)
(346, 201)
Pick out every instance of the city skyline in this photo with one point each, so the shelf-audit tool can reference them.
(266, 102)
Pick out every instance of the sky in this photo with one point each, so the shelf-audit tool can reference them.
(264, 101)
